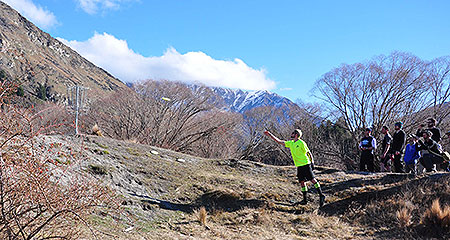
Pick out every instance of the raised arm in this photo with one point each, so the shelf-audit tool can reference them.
(274, 138)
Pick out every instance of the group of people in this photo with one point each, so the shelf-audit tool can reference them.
(406, 154)
(423, 147)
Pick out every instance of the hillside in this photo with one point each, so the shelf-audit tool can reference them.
(34, 57)
(161, 192)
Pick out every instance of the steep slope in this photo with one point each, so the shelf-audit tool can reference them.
(33, 56)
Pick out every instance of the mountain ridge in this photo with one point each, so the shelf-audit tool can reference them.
(34, 57)
(238, 100)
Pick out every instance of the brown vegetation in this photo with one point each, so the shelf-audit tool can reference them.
(37, 198)
(437, 217)
(202, 214)
(169, 115)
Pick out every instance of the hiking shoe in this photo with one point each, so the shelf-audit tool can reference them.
(321, 200)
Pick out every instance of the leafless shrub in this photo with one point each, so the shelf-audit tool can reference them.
(169, 115)
(53, 114)
(39, 199)
(255, 146)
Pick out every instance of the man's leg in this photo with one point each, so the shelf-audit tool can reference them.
(362, 163)
(304, 192)
(407, 168)
(427, 162)
(370, 163)
(398, 163)
(319, 189)
(388, 163)
(420, 166)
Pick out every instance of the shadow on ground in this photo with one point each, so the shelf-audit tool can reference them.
(341, 206)
(214, 200)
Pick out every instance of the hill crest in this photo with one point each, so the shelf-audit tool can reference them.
(34, 57)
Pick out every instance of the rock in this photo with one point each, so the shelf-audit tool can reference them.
(154, 152)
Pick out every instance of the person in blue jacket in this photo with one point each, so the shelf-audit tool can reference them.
(411, 155)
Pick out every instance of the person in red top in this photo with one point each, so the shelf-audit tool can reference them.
(303, 160)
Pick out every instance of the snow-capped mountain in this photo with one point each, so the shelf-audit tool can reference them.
(241, 101)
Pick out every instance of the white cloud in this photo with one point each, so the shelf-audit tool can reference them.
(93, 6)
(116, 57)
(286, 89)
(35, 13)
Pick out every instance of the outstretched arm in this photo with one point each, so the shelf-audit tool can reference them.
(274, 138)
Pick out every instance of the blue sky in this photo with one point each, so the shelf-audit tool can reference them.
(282, 46)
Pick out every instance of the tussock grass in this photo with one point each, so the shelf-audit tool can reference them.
(404, 217)
(437, 217)
(202, 215)
(96, 130)
(402, 210)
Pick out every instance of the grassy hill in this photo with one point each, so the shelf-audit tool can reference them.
(161, 193)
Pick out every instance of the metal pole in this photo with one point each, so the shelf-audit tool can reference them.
(76, 109)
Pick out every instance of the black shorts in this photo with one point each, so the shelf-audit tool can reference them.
(304, 173)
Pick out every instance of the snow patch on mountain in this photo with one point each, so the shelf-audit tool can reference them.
(240, 101)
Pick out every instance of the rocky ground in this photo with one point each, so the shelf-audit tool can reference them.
(161, 193)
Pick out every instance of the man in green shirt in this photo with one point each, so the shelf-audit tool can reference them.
(303, 160)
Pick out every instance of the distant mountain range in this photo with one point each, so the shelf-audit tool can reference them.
(241, 101)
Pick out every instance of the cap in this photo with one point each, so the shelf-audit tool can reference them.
(412, 136)
(299, 132)
(399, 124)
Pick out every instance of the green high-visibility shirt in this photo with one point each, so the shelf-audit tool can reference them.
(298, 152)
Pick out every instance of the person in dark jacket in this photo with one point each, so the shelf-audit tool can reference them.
(386, 157)
(420, 130)
(429, 151)
(434, 130)
(367, 146)
(398, 146)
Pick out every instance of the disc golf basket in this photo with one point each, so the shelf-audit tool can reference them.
(77, 102)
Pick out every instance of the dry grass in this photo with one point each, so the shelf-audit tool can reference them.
(202, 214)
(437, 216)
(244, 201)
(404, 217)
(96, 130)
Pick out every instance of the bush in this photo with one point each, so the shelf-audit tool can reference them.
(39, 197)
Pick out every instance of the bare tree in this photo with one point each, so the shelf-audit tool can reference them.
(224, 139)
(255, 146)
(166, 114)
(373, 94)
(438, 76)
(123, 115)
